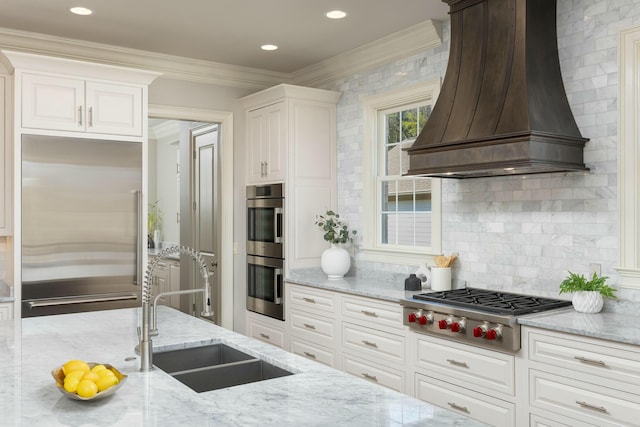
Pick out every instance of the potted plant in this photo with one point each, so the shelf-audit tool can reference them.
(335, 261)
(588, 295)
(154, 224)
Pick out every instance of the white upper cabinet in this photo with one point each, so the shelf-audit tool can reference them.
(266, 149)
(6, 158)
(78, 105)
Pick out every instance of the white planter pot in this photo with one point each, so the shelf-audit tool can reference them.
(587, 301)
(335, 262)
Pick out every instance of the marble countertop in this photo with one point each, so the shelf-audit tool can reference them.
(384, 289)
(315, 396)
(609, 326)
(6, 292)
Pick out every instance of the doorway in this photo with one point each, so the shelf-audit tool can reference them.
(205, 202)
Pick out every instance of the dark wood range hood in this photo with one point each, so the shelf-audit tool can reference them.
(502, 109)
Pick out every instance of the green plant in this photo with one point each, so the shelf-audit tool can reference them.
(577, 283)
(335, 230)
(154, 217)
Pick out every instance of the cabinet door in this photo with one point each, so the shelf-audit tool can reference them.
(266, 143)
(52, 103)
(114, 109)
(174, 284)
(6, 203)
(6, 311)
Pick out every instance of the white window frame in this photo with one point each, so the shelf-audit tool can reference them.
(371, 249)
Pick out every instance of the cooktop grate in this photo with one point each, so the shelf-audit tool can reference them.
(493, 301)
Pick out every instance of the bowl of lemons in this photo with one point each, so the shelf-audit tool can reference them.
(82, 380)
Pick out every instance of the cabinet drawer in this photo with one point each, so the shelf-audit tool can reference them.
(591, 403)
(264, 333)
(553, 421)
(378, 344)
(304, 298)
(373, 372)
(591, 357)
(478, 406)
(373, 312)
(313, 352)
(487, 369)
(313, 328)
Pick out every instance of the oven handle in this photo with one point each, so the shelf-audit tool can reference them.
(277, 285)
(277, 225)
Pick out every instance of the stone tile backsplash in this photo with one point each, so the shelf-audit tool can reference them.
(521, 234)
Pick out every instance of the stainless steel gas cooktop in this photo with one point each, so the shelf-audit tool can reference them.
(480, 317)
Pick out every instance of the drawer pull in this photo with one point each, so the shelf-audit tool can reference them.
(456, 363)
(458, 407)
(590, 361)
(370, 344)
(310, 355)
(370, 377)
(592, 407)
(369, 313)
(265, 336)
(308, 326)
(310, 300)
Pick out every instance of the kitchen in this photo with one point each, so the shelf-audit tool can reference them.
(519, 234)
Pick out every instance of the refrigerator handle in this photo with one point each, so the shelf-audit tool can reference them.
(138, 275)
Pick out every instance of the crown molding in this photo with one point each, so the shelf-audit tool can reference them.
(402, 44)
(170, 66)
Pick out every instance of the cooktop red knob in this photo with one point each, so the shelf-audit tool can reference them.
(442, 324)
(478, 332)
(492, 334)
(422, 320)
(455, 327)
(411, 318)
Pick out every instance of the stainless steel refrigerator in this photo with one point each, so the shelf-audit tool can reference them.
(81, 225)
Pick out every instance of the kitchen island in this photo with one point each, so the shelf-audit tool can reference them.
(315, 396)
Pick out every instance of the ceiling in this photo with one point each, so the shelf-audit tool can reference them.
(226, 31)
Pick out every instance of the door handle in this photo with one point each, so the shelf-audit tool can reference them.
(277, 276)
(51, 302)
(277, 225)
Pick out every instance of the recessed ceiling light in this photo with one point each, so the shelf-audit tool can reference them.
(81, 11)
(336, 14)
(268, 47)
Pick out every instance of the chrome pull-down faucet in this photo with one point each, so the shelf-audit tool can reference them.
(146, 347)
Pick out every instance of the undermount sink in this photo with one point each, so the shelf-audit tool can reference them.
(215, 366)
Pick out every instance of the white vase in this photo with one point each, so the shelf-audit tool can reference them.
(335, 262)
(587, 301)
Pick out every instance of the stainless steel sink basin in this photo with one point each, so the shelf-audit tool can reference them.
(185, 359)
(215, 366)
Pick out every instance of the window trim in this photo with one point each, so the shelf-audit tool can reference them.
(370, 251)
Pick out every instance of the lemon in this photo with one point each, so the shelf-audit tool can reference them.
(71, 385)
(106, 382)
(91, 376)
(76, 375)
(75, 365)
(87, 388)
(98, 368)
(108, 373)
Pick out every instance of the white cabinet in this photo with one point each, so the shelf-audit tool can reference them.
(166, 278)
(266, 329)
(266, 148)
(313, 325)
(6, 311)
(476, 382)
(587, 380)
(6, 157)
(78, 105)
(291, 138)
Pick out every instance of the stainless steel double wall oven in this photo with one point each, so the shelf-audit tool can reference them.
(265, 249)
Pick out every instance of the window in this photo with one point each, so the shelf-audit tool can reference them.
(402, 213)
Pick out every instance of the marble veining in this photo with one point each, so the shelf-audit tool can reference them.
(316, 396)
(608, 326)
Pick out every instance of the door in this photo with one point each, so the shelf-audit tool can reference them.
(205, 145)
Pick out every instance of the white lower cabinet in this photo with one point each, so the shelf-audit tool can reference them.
(476, 405)
(6, 311)
(313, 351)
(580, 381)
(266, 329)
(373, 371)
